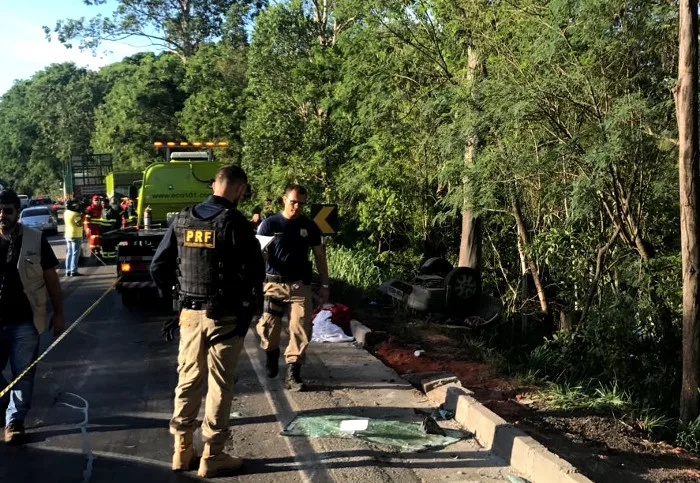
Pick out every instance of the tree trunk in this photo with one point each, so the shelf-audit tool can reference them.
(686, 96)
(470, 241)
(525, 240)
(524, 286)
(599, 271)
(470, 244)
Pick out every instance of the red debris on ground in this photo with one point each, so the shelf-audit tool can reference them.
(601, 446)
(477, 376)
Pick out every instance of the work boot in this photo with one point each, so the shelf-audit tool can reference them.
(294, 382)
(184, 453)
(215, 462)
(14, 433)
(272, 366)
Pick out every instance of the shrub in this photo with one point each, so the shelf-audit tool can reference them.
(356, 268)
(689, 436)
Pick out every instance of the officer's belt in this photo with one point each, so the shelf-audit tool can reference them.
(269, 277)
(193, 303)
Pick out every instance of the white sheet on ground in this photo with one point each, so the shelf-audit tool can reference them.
(326, 331)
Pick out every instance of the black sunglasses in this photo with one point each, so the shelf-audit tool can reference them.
(295, 202)
(8, 211)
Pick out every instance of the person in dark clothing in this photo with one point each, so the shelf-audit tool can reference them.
(288, 284)
(212, 257)
(113, 215)
(256, 218)
(129, 217)
(27, 272)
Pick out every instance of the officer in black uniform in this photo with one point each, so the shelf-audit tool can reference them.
(213, 258)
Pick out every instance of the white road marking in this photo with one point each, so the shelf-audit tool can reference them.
(87, 450)
(283, 409)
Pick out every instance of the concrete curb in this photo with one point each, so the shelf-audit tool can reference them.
(364, 336)
(525, 455)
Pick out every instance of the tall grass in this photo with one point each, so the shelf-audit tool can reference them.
(575, 397)
(356, 268)
(689, 437)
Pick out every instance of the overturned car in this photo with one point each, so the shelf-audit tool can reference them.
(439, 288)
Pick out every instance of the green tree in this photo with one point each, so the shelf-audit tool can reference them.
(141, 107)
(179, 27)
(44, 121)
(290, 133)
(215, 79)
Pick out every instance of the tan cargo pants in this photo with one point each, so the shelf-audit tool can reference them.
(298, 296)
(205, 346)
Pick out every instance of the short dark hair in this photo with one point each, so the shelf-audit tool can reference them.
(295, 187)
(232, 173)
(9, 197)
(257, 210)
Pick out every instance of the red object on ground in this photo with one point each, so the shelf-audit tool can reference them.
(340, 316)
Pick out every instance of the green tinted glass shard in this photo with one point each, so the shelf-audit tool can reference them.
(407, 436)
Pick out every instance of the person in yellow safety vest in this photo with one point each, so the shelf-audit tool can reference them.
(72, 220)
(92, 228)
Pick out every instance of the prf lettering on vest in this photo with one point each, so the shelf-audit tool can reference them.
(199, 238)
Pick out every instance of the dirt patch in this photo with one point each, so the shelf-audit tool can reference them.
(477, 376)
(606, 450)
(600, 446)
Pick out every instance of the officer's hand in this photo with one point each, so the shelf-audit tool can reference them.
(169, 328)
(58, 323)
(325, 295)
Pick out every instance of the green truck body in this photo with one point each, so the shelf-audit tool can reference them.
(122, 184)
(169, 187)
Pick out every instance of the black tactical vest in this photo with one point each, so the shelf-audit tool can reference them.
(209, 266)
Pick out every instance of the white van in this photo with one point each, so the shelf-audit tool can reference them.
(23, 201)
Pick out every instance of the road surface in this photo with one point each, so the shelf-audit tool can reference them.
(119, 375)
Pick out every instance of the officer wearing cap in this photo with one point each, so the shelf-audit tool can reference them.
(213, 258)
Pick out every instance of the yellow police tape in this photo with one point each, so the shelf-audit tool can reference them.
(59, 339)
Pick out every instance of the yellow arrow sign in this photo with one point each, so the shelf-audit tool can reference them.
(321, 219)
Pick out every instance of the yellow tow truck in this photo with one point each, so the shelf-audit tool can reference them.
(183, 179)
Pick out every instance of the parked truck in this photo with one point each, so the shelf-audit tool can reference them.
(183, 179)
(84, 175)
(123, 183)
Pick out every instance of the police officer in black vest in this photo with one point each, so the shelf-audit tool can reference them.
(213, 258)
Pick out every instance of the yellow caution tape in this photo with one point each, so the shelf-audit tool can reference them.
(58, 339)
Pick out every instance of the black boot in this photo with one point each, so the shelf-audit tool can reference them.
(294, 382)
(272, 363)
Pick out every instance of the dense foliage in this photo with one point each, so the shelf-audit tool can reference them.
(562, 108)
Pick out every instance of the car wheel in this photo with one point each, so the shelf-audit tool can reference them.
(435, 266)
(462, 285)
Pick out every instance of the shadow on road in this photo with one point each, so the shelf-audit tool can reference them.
(30, 465)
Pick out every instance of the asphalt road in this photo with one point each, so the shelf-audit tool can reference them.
(118, 375)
